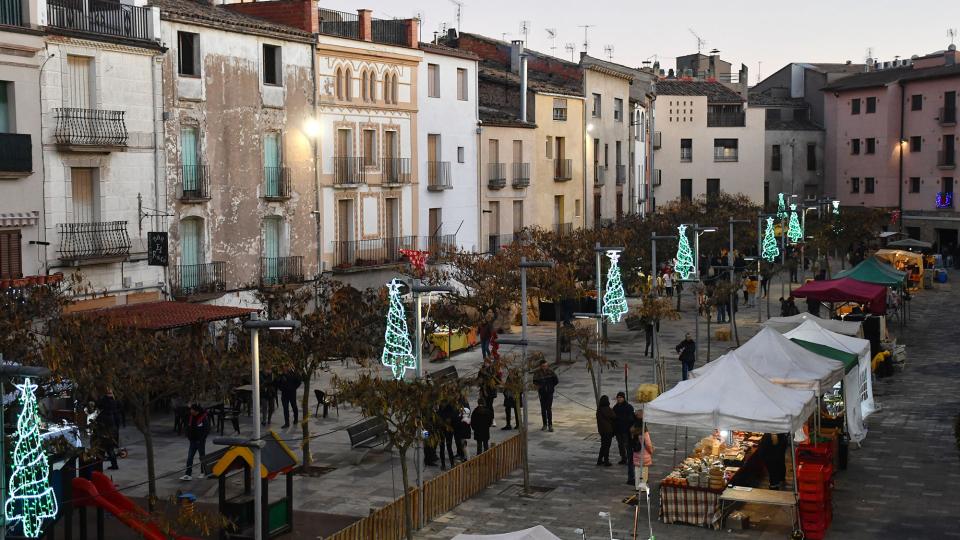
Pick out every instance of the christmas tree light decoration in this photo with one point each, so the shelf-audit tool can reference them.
(397, 348)
(685, 264)
(770, 249)
(794, 233)
(781, 208)
(614, 301)
(836, 208)
(30, 498)
(418, 259)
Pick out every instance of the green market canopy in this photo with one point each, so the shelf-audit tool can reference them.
(873, 270)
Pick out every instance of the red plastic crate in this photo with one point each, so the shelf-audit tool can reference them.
(814, 472)
(815, 523)
(822, 454)
(822, 497)
(815, 507)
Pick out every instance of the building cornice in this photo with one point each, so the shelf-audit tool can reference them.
(105, 45)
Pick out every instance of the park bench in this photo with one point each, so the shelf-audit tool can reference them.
(446, 374)
(367, 435)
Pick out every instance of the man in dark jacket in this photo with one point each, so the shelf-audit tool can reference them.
(288, 384)
(197, 430)
(108, 427)
(480, 421)
(488, 381)
(546, 382)
(688, 354)
(624, 413)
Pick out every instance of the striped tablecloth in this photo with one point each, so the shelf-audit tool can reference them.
(690, 505)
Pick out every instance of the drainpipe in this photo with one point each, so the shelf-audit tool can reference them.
(523, 87)
(903, 90)
(316, 154)
(45, 246)
(159, 169)
(651, 170)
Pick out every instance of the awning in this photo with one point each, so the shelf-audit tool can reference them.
(167, 315)
(846, 290)
(849, 359)
(873, 270)
(19, 219)
(910, 243)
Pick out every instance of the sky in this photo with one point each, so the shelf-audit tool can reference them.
(763, 35)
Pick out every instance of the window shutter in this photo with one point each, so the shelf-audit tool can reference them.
(10, 256)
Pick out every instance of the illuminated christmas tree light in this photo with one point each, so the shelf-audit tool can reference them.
(770, 249)
(836, 208)
(685, 264)
(614, 301)
(794, 233)
(397, 348)
(781, 208)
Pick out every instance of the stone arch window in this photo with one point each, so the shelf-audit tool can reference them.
(364, 85)
(348, 85)
(373, 85)
(339, 83)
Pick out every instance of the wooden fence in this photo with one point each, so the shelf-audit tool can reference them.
(440, 494)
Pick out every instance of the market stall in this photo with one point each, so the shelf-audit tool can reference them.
(447, 341)
(874, 270)
(906, 261)
(785, 324)
(873, 296)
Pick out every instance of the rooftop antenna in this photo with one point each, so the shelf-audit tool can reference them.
(608, 51)
(552, 36)
(869, 53)
(571, 48)
(701, 43)
(586, 42)
(953, 35)
(525, 32)
(459, 5)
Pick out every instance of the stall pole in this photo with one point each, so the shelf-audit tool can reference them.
(796, 492)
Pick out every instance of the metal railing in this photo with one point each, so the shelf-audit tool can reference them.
(375, 252)
(104, 17)
(621, 175)
(946, 160)
(439, 245)
(93, 240)
(598, 174)
(948, 116)
(497, 175)
(339, 23)
(194, 183)
(395, 170)
(725, 156)
(562, 169)
(726, 120)
(496, 242)
(90, 127)
(16, 153)
(193, 279)
(559, 113)
(389, 32)
(521, 175)
(11, 13)
(281, 270)
(438, 176)
(563, 229)
(686, 155)
(277, 184)
(348, 171)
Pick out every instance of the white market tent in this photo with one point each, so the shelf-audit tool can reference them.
(785, 324)
(783, 362)
(858, 386)
(534, 533)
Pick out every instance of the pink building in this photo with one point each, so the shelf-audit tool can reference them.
(892, 142)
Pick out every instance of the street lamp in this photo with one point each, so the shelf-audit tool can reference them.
(733, 292)
(653, 285)
(255, 325)
(698, 231)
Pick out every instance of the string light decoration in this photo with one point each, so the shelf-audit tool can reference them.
(397, 349)
(614, 301)
(770, 249)
(30, 498)
(781, 207)
(894, 217)
(794, 233)
(418, 259)
(836, 208)
(685, 264)
(944, 199)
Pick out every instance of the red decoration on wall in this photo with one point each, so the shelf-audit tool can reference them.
(894, 217)
(418, 259)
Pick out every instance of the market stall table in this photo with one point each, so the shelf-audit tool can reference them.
(446, 341)
(739, 494)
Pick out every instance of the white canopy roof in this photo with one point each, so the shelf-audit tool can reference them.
(534, 533)
(783, 362)
(813, 332)
(735, 397)
(785, 324)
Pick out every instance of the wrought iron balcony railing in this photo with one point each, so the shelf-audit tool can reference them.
(395, 170)
(439, 245)
(563, 229)
(194, 183)
(562, 169)
(281, 270)
(727, 120)
(90, 127)
(16, 154)
(349, 254)
(497, 175)
(11, 13)
(725, 156)
(339, 23)
(103, 17)
(439, 177)
(277, 185)
(348, 171)
(196, 279)
(93, 240)
(521, 175)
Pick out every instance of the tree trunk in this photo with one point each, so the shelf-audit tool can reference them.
(593, 379)
(143, 425)
(556, 316)
(305, 423)
(407, 503)
(708, 334)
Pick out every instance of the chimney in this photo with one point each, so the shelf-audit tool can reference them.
(516, 49)
(523, 87)
(413, 33)
(366, 24)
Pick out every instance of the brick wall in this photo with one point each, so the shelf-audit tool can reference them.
(539, 67)
(302, 14)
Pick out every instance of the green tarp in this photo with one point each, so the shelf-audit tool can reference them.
(872, 270)
(849, 360)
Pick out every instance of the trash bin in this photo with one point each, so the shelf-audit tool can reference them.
(844, 452)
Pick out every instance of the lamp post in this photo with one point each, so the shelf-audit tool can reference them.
(698, 230)
(653, 272)
(255, 325)
(803, 239)
(733, 271)
(601, 322)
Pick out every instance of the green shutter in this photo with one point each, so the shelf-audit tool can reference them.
(271, 163)
(271, 249)
(190, 269)
(188, 159)
(4, 108)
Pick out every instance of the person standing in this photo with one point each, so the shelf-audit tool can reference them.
(648, 327)
(510, 402)
(668, 282)
(197, 430)
(773, 448)
(448, 418)
(643, 456)
(605, 421)
(688, 354)
(488, 381)
(546, 382)
(288, 384)
(462, 428)
(484, 333)
(108, 427)
(621, 428)
(480, 421)
(268, 396)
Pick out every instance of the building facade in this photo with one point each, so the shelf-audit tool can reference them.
(642, 101)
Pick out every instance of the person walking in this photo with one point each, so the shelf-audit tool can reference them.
(605, 421)
(480, 421)
(488, 381)
(268, 396)
(546, 382)
(648, 327)
(510, 402)
(108, 426)
(484, 333)
(449, 418)
(643, 456)
(621, 427)
(288, 384)
(688, 354)
(198, 429)
(668, 282)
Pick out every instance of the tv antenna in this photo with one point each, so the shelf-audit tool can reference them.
(869, 53)
(953, 35)
(608, 51)
(701, 43)
(459, 5)
(525, 31)
(552, 36)
(570, 47)
(586, 42)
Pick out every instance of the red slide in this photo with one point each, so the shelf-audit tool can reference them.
(102, 493)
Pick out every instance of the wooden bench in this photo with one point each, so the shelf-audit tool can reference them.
(446, 374)
(367, 435)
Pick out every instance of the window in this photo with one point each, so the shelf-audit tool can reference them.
(348, 84)
(801, 114)
(559, 109)
(6, 126)
(373, 86)
(338, 82)
(190, 170)
(576, 208)
(596, 105)
(272, 241)
(916, 102)
(871, 145)
(618, 109)
(914, 184)
(188, 54)
(395, 88)
(364, 86)
(84, 191)
(272, 65)
(686, 189)
(272, 165)
(775, 157)
(766, 193)
(387, 94)
(517, 216)
(855, 146)
(433, 80)
(912, 232)
(811, 156)
(855, 106)
(606, 155)
(854, 185)
(549, 152)
(869, 184)
(725, 149)
(462, 84)
(369, 147)
(10, 255)
(713, 188)
(871, 105)
(686, 150)
(946, 184)
(915, 143)
(461, 154)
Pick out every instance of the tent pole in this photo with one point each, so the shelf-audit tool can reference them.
(676, 430)
(796, 492)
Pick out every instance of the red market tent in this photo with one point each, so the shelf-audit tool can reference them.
(846, 290)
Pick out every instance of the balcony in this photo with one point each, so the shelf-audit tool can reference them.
(562, 170)
(354, 254)
(389, 32)
(198, 281)
(948, 116)
(621, 175)
(946, 160)
(563, 229)
(275, 271)
(395, 171)
(93, 240)
(725, 157)
(90, 130)
(339, 23)
(194, 184)
(598, 175)
(657, 140)
(496, 175)
(11, 13)
(686, 155)
(496, 242)
(277, 185)
(439, 245)
(728, 119)
(16, 155)
(101, 17)
(438, 176)
(521, 175)
(348, 172)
